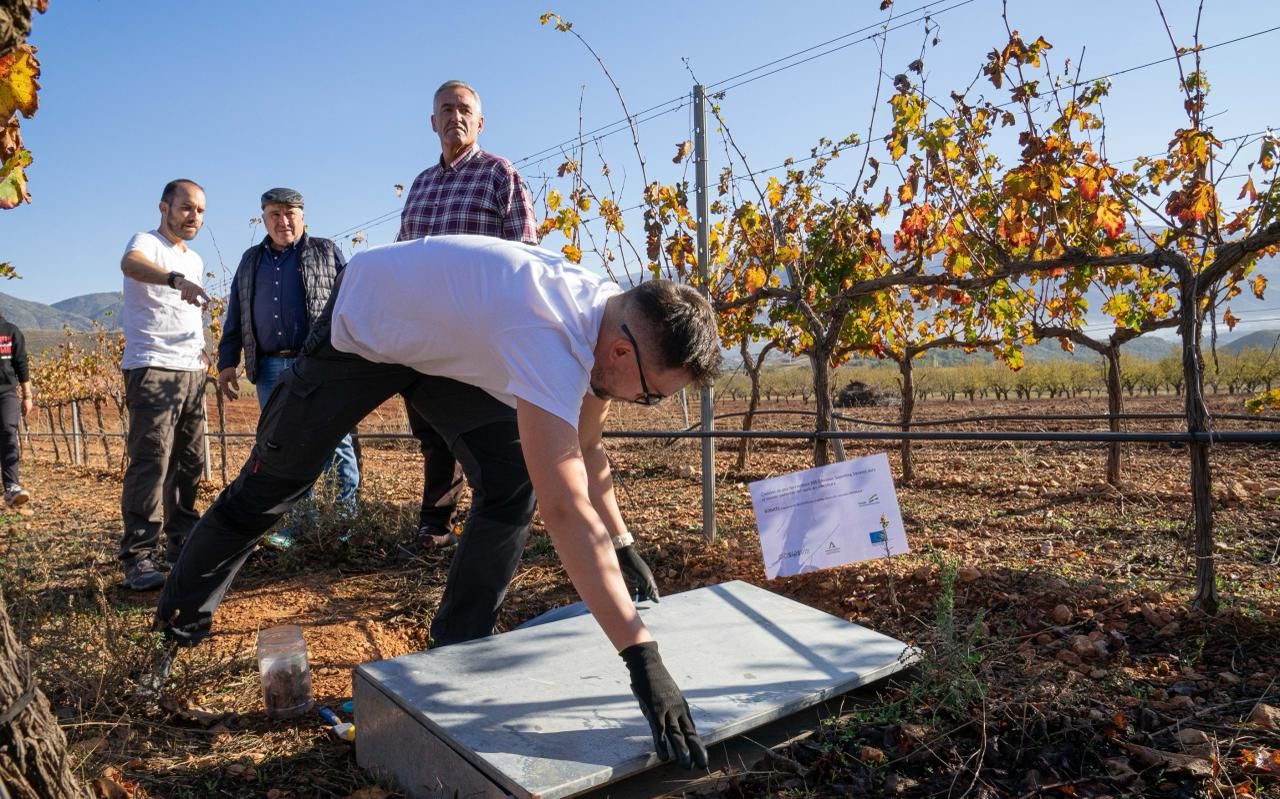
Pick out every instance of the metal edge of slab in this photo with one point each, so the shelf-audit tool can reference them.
(460, 761)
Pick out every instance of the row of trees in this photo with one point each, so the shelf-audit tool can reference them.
(1244, 373)
(985, 219)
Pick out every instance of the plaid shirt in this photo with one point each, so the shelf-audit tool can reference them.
(481, 194)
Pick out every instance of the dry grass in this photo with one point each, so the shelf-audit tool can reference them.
(1019, 553)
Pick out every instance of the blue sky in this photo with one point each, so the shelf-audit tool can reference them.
(333, 99)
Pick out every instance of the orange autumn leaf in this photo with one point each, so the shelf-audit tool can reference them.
(905, 194)
(1110, 217)
(1259, 285)
(1193, 203)
(572, 252)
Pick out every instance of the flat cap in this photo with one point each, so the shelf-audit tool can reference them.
(281, 195)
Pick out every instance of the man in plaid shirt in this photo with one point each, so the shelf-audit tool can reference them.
(466, 191)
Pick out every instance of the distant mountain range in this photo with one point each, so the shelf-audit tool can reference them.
(78, 313)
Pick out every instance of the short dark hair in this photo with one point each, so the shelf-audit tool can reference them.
(171, 188)
(681, 325)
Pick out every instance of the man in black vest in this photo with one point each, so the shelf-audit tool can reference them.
(280, 288)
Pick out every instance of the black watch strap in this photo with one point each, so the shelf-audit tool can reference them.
(173, 278)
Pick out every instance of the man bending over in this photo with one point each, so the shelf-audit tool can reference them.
(513, 355)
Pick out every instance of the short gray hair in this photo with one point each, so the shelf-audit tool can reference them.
(455, 84)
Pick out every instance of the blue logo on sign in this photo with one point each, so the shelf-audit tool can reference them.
(877, 536)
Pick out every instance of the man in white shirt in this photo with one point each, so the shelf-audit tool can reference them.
(165, 368)
(513, 355)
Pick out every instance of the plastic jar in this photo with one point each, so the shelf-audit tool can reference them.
(285, 673)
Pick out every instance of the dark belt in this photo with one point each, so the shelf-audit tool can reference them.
(282, 354)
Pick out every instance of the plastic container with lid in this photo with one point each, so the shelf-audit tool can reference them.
(286, 675)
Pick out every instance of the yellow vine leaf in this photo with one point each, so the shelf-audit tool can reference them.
(19, 70)
(572, 252)
(773, 192)
(1259, 286)
(13, 181)
(553, 199)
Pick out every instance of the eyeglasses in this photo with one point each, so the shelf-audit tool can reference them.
(646, 397)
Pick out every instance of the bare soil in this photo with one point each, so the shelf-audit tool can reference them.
(1052, 609)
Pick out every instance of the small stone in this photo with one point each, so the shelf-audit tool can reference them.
(1082, 646)
(869, 754)
(1182, 703)
(1169, 630)
(1044, 639)
(1068, 657)
(967, 574)
(1228, 678)
(922, 573)
(1062, 614)
(1265, 716)
(1025, 493)
(1120, 770)
(1238, 493)
(1271, 492)
(1046, 548)
(1098, 674)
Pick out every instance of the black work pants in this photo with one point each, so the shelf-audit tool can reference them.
(10, 415)
(441, 473)
(317, 402)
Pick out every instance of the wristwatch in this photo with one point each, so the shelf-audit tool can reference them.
(173, 278)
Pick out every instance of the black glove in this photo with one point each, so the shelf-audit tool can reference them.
(637, 574)
(663, 706)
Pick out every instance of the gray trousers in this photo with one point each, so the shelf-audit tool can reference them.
(317, 402)
(166, 458)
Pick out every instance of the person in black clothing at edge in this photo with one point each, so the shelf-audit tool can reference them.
(513, 354)
(15, 404)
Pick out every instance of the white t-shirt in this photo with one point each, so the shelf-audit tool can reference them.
(160, 329)
(510, 318)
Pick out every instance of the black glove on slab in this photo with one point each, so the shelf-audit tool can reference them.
(637, 573)
(663, 706)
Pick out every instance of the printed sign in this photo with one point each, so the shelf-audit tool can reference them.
(828, 516)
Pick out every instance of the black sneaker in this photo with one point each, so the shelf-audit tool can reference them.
(429, 539)
(141, 574)
(15, 496)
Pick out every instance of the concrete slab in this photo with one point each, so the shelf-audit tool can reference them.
(546, 712)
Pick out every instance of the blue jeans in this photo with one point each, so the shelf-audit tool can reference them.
(343, 459)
